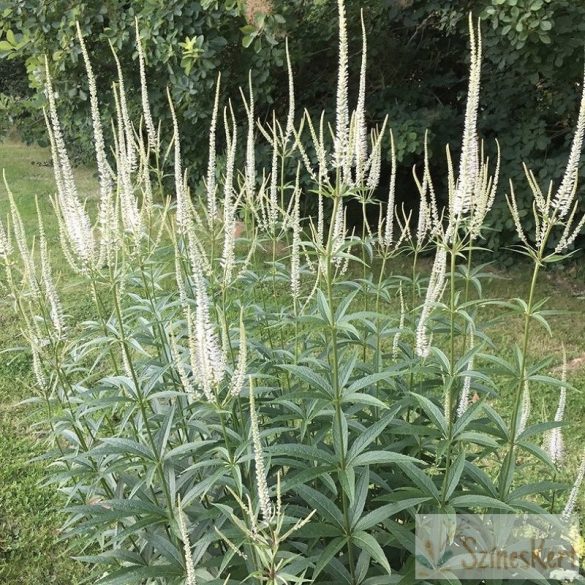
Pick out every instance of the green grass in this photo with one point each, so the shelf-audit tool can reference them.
(30, 551)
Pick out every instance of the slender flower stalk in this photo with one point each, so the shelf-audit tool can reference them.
(207, 356)
(239, 375)
(186, 382)
(229, 202)
(361, 143)
(55, 307)
(28, 265)
(428, 223)
(151, 133)
(250, 169)
(469, 163)
(272, 215)
(375, 166)
(130, 150)
(211, 182)
(189, 565)
(341, 151)
(106, 210)
(6, 248)
(526, 409)
(563, 199)
(554, 440)
(338, 234)
(290, 118)
(389, 221)
(131, 218)
(571, 502)
(37, 366)
(464, 398)
(397, 335)
(485, 195)
(77, 225)
(433, 295)
(183, 204)
(261, 485)
(144, 181)
(295, 266)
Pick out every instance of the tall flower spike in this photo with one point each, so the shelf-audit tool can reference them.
(526, 409)
(398, 334)
(131, 219)
(261, 485)
(434, 292)
(565, 195)
(183, 205)
(570, 505)
(124, 115)
(144, 180)
(464, 398)
(273, 189)
(29, 272)
(435, 226)
(341, 153)
(75, 218)
(250, 170)
(207, 357)
(211, 182)
(389, 222)
(229, 202)
(37, 366)
(485, 195)
(290, 119)
(146, 113)
(469, 162)
(424, 212)
(554, 440)
(374, 164)
(239, 374)
(361, 143)
(295, 261)
(319, 145)
(338, 234)
(513, 207)
(6, 248)
(106, 203)
(180, 368)
(428, 217)
(55, 308)
(189, 565)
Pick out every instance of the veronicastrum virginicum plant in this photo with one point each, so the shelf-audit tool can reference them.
(260, 397)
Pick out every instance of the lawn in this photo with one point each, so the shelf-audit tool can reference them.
(30, 551)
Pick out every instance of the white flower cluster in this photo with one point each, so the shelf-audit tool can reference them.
(433, 295)
(554, 443)
(572, 500)
(78, 237)
(560, 208)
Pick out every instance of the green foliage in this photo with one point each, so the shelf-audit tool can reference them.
(533, 63)
(185, 44)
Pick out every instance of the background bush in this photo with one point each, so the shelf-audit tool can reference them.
(533, 63)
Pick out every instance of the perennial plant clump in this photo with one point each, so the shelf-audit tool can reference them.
(274, 404)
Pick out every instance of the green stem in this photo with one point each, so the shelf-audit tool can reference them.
(338, 391)
(505, 483)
